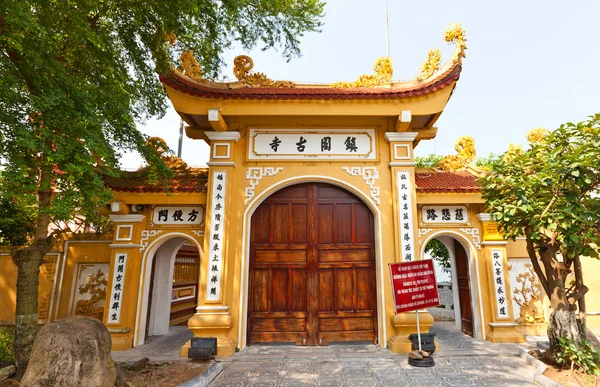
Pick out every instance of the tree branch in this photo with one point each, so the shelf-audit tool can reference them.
(536, 265)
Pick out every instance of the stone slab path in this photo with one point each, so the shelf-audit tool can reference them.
(461, 361)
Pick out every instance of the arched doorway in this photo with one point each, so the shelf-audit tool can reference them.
(168, 287)
(312, 275)
(466, 303)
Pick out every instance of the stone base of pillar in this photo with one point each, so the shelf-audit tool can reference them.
(505, 333)
(405, 324)
(212, 324)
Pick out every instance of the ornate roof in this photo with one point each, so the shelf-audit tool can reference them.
(191, 180)
(438, 181)
(187, 78)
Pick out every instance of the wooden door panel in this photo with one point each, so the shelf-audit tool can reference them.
(298, 290)
(259, 291)
(343, 223)
(464, 289)
(312, 268)
(279, 287)
(344, 290)
(325, 219)
(364, 289)
(326, 295)
(299, 224)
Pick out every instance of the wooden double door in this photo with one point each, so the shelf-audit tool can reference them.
(312, 268)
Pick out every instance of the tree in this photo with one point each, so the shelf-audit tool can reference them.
(549, 194)
(440, 253)
(75, 78)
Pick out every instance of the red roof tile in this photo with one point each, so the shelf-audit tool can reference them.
(429, 182)
(183, 84)
(192, 180)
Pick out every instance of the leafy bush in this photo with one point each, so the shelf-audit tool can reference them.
(584, 357)
(6, 344)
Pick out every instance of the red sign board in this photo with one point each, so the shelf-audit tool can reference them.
(414, 285)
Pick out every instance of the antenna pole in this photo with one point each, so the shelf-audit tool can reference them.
(387, 30)
(180, 138)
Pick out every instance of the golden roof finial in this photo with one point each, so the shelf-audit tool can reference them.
(465, 146)
(160, 146)
(242, 65)
(189, 65)
(382, 77)
(454, 34)
(457, 35)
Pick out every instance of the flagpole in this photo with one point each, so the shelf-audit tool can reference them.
(387, 32)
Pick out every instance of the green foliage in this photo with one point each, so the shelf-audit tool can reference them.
(440, 253)
(547, 192)
(6, 344)
(584, 357)
(430, 161)
(487, 162)
(76, 77)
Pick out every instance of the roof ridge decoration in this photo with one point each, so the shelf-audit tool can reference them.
(189, 65)
(174, 163)
(455, 34)
(382, 77)
(465, 146)
(242, 64)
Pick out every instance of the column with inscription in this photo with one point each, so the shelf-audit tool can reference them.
(502, 323)
(402, 166)
(213, 317)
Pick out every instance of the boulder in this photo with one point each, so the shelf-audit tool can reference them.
(72, 352)
(7, 372)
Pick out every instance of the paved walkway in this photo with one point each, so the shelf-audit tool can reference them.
(158, 348)
(461, 361)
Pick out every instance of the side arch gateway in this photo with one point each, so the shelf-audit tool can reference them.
(312, 273)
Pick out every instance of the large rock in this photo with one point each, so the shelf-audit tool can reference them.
(71, 352)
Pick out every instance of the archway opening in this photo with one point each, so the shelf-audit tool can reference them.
(312, 270)
(169, 291)
(455, 286)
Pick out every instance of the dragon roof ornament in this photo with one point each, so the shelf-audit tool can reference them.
(242, 65)
(382, 77)
(455, 34)
(465, 146)
(189, 66)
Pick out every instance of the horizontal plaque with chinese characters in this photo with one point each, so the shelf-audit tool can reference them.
(178, 215)
(343, 144)
(444, 214)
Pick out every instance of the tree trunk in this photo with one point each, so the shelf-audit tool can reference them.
(563, 323)
(28, 264)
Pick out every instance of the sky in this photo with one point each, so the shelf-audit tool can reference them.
(530, 63)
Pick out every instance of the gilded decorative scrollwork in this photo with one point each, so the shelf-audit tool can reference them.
(431, 65)
(465, 146)
(189, 65)
(382, 77)
(529, 296)
(96, 287)
(159, 145)
(455, 34)
(242, 65)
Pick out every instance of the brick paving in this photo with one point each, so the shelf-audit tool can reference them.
(461, 361)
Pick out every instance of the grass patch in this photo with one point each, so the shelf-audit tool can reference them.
(6, 345)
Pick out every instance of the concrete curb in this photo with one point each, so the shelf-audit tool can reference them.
(538, 375)
(204, 378)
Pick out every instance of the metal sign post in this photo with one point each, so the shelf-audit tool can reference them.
(414, 287)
